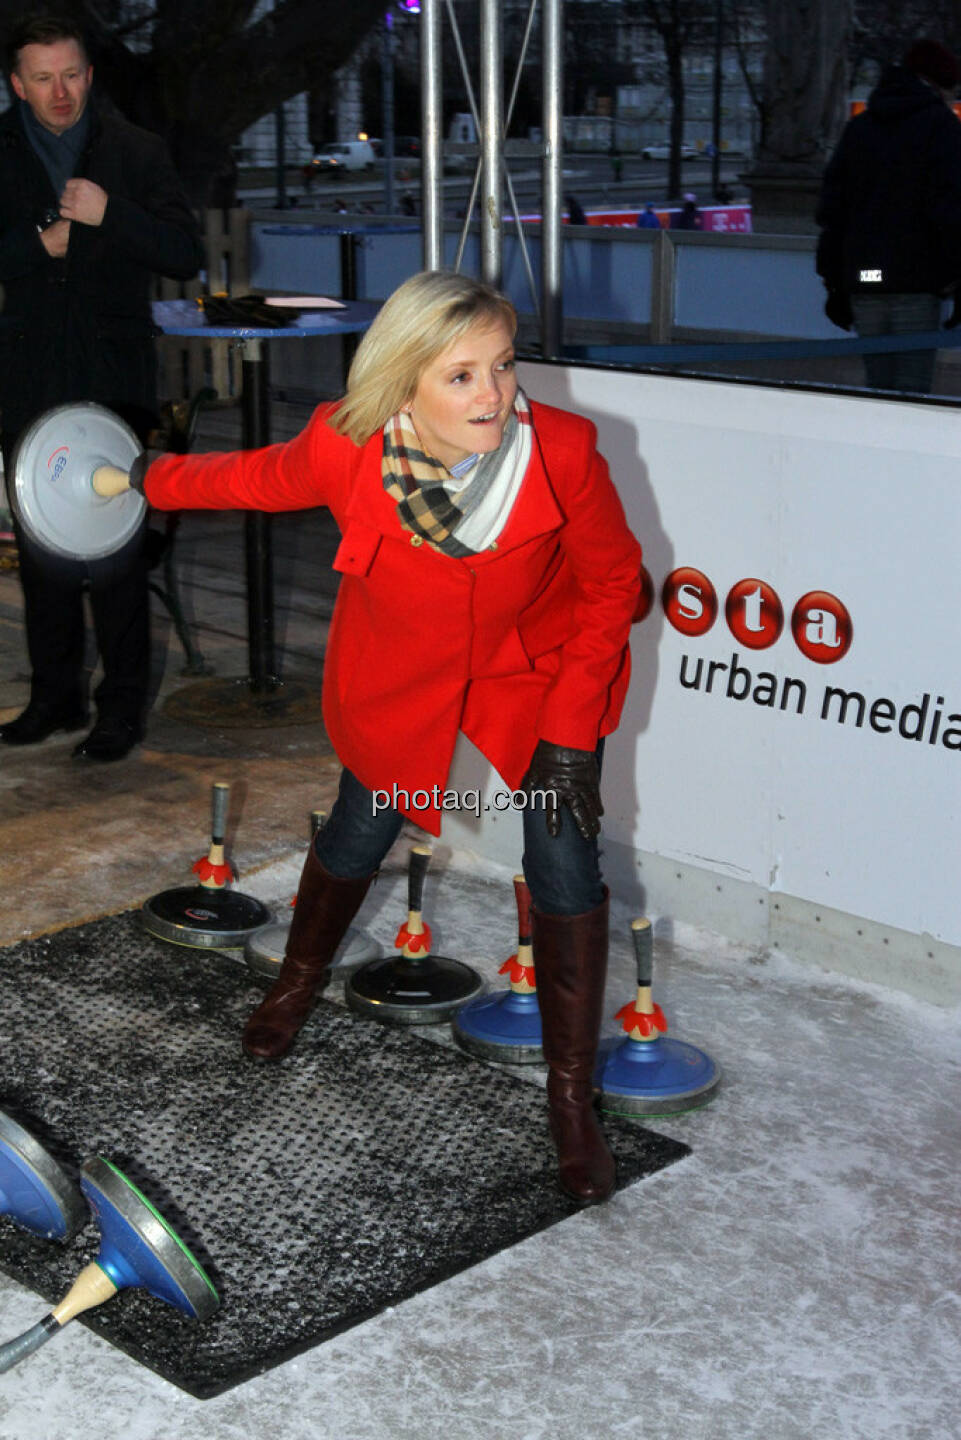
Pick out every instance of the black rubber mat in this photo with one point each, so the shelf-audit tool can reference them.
(370, 1164)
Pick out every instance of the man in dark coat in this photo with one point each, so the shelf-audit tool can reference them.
(90, 208)
(890, 212)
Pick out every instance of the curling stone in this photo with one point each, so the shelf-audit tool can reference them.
(506, 1026)
(415, 987)
(264, 949)
(70, 489)
(34, 1191)
(208, 914)
(650, 1073)
(138, 1250)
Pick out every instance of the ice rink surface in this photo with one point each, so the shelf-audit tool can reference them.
(796, 1276)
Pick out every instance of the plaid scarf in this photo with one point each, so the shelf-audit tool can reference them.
(416, 480)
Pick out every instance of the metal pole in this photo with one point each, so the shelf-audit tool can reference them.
(349, 247)
(281, 158)
(552, 259)
(718, 85)
(432, 169)
(492, 148)
(255, 417)
(387, 102)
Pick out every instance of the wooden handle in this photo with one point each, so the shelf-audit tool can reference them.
(643, 938)
(92, 1287)
(108, 481)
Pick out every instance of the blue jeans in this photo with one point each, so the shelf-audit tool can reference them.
(562, 872)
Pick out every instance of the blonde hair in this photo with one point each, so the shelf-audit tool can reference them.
(425, 315)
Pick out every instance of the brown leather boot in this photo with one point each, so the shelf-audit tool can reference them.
(570, 962)
(325, 907)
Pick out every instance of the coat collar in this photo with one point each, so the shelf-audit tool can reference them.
(536, 511)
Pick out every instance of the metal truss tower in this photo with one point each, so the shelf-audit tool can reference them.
(491, 177)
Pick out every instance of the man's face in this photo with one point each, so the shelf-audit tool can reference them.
(54, 80)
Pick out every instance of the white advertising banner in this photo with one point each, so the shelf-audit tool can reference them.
(794, 719)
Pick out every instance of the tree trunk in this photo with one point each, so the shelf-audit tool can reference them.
(675, 73)
(806, 79)
(805, 86)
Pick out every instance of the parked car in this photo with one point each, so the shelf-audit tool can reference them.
(342, 156)
(663, 152)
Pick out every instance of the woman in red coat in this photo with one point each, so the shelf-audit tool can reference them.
(488, 585)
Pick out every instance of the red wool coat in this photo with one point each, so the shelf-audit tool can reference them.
(525, 641)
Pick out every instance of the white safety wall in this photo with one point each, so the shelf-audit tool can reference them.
(779, 794)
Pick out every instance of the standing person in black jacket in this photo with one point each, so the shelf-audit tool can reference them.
(90, 208)
(890, 212)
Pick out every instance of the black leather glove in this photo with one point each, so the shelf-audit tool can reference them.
(837, 307)
(568, 777)
(138, 471)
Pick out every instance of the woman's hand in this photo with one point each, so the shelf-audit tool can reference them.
(567, 777)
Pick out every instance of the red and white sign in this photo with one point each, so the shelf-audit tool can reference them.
(794, 719)
(733, 219)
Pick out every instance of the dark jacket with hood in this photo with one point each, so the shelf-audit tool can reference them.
(80, 328)
(890, 207)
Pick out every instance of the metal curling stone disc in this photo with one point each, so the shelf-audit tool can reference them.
(52, 490)
(138, 1249)
(264, 949)
(505, 1027)
(202, 918)
(34, 1190)
(400, 991)
(657, 1077)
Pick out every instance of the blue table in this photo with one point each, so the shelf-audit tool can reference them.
(185, 318)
